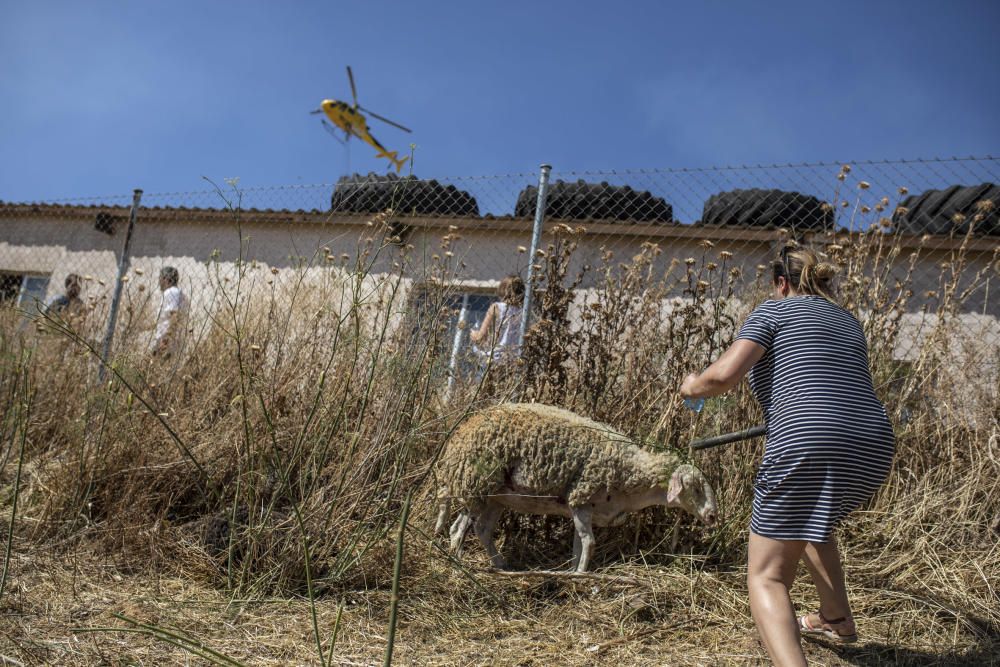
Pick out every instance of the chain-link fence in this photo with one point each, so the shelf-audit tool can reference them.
(923, 234)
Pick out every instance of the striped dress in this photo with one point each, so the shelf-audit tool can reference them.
(829, 442)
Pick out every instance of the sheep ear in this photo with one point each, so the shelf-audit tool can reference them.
(675, 488)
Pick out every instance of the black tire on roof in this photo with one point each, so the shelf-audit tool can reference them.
(951, 210)
(595, 201)
(375, 193)
(767, 208)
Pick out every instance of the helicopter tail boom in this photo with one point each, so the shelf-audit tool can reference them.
(393, 157)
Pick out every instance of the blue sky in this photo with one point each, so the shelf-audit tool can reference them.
(101, 97)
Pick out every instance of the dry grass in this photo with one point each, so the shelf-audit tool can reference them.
(247, 497)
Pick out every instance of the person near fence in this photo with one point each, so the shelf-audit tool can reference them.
(829, 445)
(171, 318)
(499, 334)
(69, 302)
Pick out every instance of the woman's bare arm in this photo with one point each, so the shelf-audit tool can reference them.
(725, 373)
(486, 326)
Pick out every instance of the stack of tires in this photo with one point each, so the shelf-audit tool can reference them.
(768, 209)
(595, 201)
(406, 196)
(951, 210)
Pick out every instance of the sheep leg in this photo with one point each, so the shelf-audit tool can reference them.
(485, 523)
(444, 509)
(458, 531)
(582, 521)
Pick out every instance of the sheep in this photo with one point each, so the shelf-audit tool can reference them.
(540, 459)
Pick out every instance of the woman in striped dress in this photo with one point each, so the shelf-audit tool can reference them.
(829, 445)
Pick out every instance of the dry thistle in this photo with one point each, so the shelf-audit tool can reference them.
(902, 210)
(902, 190)
(864, 185)
(725, 254)
(865, 209)
(139, 271)
(958, 218)
(841, 176)
(274, 270)
(985, 205)
(846, 168)
(521, 249)
(689, 261)
(705, 243)
(711, 266)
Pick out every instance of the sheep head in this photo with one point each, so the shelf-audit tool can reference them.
(689, 489)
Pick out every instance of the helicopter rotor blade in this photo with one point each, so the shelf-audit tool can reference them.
(316, 111)
(354, 91)
(384, 119)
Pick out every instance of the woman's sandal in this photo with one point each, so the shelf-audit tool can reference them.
(826, 628)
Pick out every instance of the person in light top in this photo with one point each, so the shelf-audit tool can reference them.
(171, 319)
(499, 336)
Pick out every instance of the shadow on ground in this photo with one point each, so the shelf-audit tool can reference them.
(877, 654)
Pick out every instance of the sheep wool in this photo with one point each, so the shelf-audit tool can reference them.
(551, 451)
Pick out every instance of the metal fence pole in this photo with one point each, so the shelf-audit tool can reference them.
(536, 236)
(116, 298)
(456, 345)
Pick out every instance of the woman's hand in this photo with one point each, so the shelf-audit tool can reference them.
(688, 386)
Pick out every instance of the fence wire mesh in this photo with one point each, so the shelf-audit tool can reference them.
(916, 242)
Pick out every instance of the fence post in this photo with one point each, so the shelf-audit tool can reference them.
(116, 298)
(536, 235)
(456, 345)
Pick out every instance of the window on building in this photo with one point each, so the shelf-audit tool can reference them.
(21, 290)
(443, 311)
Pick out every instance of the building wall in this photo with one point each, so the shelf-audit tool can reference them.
(292, 248)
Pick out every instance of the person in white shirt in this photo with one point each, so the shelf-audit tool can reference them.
(499, 336)
(170, 320)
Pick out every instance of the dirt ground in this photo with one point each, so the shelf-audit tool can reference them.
(83, 608)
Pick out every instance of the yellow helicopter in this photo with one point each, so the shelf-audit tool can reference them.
(348, 118)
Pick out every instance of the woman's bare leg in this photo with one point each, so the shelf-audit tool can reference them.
(770, 573)
(823, 562)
